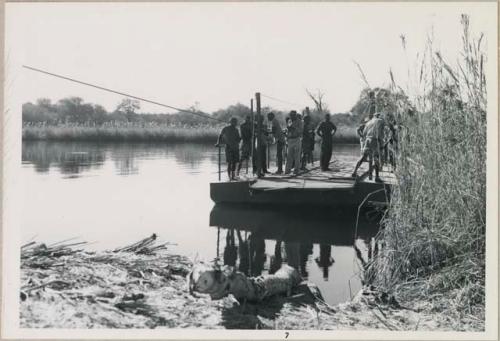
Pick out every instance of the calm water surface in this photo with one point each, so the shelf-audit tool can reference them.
(115, 194)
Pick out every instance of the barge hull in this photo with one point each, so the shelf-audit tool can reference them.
(241, 192)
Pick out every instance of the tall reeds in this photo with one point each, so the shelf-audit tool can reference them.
(122, 133)
(143, 133)
(434, 235)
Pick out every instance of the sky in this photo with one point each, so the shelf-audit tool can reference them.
(216, 54)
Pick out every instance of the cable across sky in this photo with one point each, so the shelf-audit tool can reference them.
(201, 114)
(282, 100)
(197, 113)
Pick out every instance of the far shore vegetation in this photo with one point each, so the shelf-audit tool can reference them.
(72, 119)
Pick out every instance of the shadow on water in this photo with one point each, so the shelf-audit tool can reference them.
(308, 225)
(259, 240)
(75, 158)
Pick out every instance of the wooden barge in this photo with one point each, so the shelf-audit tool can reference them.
(335, 187)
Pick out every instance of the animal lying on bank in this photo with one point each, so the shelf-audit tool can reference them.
(220, 282)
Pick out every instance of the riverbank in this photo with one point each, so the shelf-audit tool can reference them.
(140, 133)
(144, 286)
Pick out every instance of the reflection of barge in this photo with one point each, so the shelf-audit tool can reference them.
(314, 187)
(334, 227)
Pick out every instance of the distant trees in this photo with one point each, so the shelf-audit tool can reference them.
(71, 109)
(42, 111)
(128, 107)
(318, 100)
(238, 110)
(76, 110)
(386, 101)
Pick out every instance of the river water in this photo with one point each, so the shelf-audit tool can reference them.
(114, 194)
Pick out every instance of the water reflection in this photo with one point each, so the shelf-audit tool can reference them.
(316, 225)
(75, 158)
(69, 158)
(325, 260)
(306, 240)
(257, 254)
(276, 260)
(157, 187)
(230, 250)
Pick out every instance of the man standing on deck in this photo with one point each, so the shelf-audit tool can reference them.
(360, 129)
(307, 142)
(294, 144)
(230, 136)
(280, 140)
(373, 135)
(326, 130)
(246, 142)
(260, 151)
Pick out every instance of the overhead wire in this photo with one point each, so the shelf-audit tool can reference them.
(197, 113)
(281, 100)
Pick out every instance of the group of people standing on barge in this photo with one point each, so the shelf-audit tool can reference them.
(296, 140)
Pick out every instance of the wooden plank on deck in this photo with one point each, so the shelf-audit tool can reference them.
(273, 184)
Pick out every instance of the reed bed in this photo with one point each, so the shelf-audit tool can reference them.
(122, 133)
(143, 133)
(433, 244)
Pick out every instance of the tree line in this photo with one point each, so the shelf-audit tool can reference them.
(74, 110)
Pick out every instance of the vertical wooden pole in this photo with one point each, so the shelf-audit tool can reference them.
(259, 132)
(218, 242)
(268, 149)
(253, 136)
(219, 160)
(308, 113)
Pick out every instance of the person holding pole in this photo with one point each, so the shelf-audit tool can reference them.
(277, 132)
(230, 136)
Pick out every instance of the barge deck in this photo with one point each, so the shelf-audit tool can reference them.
(335, 187)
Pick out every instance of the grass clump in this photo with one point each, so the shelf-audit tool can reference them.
(434, 236)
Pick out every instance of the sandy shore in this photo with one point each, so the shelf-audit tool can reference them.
(146, 288)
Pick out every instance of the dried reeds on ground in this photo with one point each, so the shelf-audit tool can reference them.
(434, 237)
(144, 286)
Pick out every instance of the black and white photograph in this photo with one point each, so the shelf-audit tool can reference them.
(250, 170)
